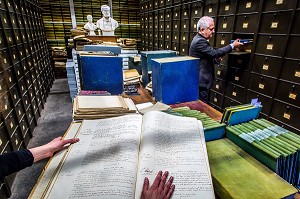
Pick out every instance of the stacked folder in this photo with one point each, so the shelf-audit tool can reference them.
(99, 107)
(131, 77)
(272, 145)
(212, 129)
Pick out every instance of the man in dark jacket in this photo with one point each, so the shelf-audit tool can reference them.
(201, 48)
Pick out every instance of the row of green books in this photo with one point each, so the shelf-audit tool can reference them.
(212, 129)
(271, 144)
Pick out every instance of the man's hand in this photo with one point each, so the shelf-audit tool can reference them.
(237, 43)
(158, 190)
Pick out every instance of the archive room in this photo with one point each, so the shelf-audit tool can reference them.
(149, 99)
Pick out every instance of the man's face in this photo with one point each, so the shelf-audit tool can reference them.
(106, 13)
(207, 33)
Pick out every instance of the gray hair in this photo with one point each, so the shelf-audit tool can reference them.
(204, 22)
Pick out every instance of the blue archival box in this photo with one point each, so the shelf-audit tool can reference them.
(175, 79)
(147, 57)
(102, 73)
(113, 49)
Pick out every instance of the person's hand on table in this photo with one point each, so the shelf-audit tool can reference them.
(158, 190)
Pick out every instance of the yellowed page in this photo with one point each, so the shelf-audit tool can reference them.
(104, 163)
(97, 102)
(175, 144)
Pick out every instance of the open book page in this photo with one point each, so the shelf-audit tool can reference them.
(104, 163)
(53, 165)
(175, 144)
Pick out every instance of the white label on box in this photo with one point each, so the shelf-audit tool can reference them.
(9, 79)
(215, 99)
(269, 46)
(226, 8)
(0, 87)
(184, 26)
(161, 16)
(161, 36)
(248, 5)
(222, 42)
(22, 88)
(160, 45)
(209, 10)
(175, 48)
(176, 14)
(5, 61)
(297, 74)
(19, 112)
(168, 26)
(5, 107)
(168, 36)
(23, 127)
(196, 12)
(17, 142)
(261, 86)
(265, 67)
(183, 50)
(287, 116)
(11, 125)
(13, 21)
(217, 86)
(161, 26)
(175, 25)
(4, 20)
(274, 24)
(167, 47)
(234, 93)
(224, 25)
(236, 78)
(168, 16)
(1, 142)
(218, 72)
(245, 25)
(279, 2)
(195, 25)
(18, 72)
(9, 38)
(293, 96)
(184, 13)
(183, 38)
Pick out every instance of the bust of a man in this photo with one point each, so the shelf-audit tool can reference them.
(90, 26)
(106, 24)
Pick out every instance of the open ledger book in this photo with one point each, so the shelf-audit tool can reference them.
(113, 157)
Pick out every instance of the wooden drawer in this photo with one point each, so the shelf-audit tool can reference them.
(168, 36)
(218, 86)
(175, 36)
(238, 76)
(168, 14)
(196, 11)
(216, 98)
(5, 59)
(291, 70)
(185, 25)
(176, 13)
(14, 54)
(227, 7)
(168, 45)
(185, 11)
(14, 94)
(211, 8)
(288, 92)
(236, 92)
(246, 23)
(265, 101)
(267, 65)
(193, 27)
(275, 5)
(3, 137)
(16, 139)
(262, 84)
(229, 102)
(11, 122)
(184, 49)
(220, 71)
(285, 113)
(168, 25)
(222, 39)
(161, 35)
(247, 6)
(4, 16)
(175, 46)
(6, 104)
(184, 37)
(18, 71)
(19, 110)
(22, 86)
(2, 39)
(296, 24)
(24, 126)
(176, 25)
(225, 24)
(239, 60)
(270, 45)
(26, 100)
(293, 43)
(275, 23)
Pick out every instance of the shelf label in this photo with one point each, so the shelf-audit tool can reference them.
(224, 25)
(175, 48)
(176, 14)
(183, 38)
(168, 16)
(17, 142)
(217, 86)
(175, 37)
(261, 86)
(18, 72)
(183, 50)
(5, 107)
(23, 127)
(218, 72)
(11, 125)
(274, 24)
(293, 96)
(161, 16)
(185, 13)
(287, 116)
(226, 8)
(222, 42)
(196, 12)
(19, 112)
(279, 2)
(167, 36)
(245, 25)
(184, 26)
(4, 60)
(195, 25)
(248, 5)
(0, 87)
(175, 25)
(4, 20)
(236, 78)
(234, 93)
(210, 10)
(297, 74)
(9, 79)
(168, 26)
(1, 142)
(215, 99)
(167, 47)
(265, 67)
(269, 46)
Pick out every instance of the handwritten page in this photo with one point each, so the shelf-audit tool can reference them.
(50, 170)
(175, 144)
(104, 163)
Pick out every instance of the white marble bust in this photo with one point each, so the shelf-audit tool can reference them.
(106, 24)
(90, 26)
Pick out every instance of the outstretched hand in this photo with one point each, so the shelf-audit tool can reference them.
(158, 190)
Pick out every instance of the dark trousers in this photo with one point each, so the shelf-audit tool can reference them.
(203, 94)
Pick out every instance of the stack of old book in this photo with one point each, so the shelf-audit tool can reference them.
(99, 107)
(131, 76)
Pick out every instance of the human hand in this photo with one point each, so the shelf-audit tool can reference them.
(158, 190)
(237, 43)
(50, 148)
